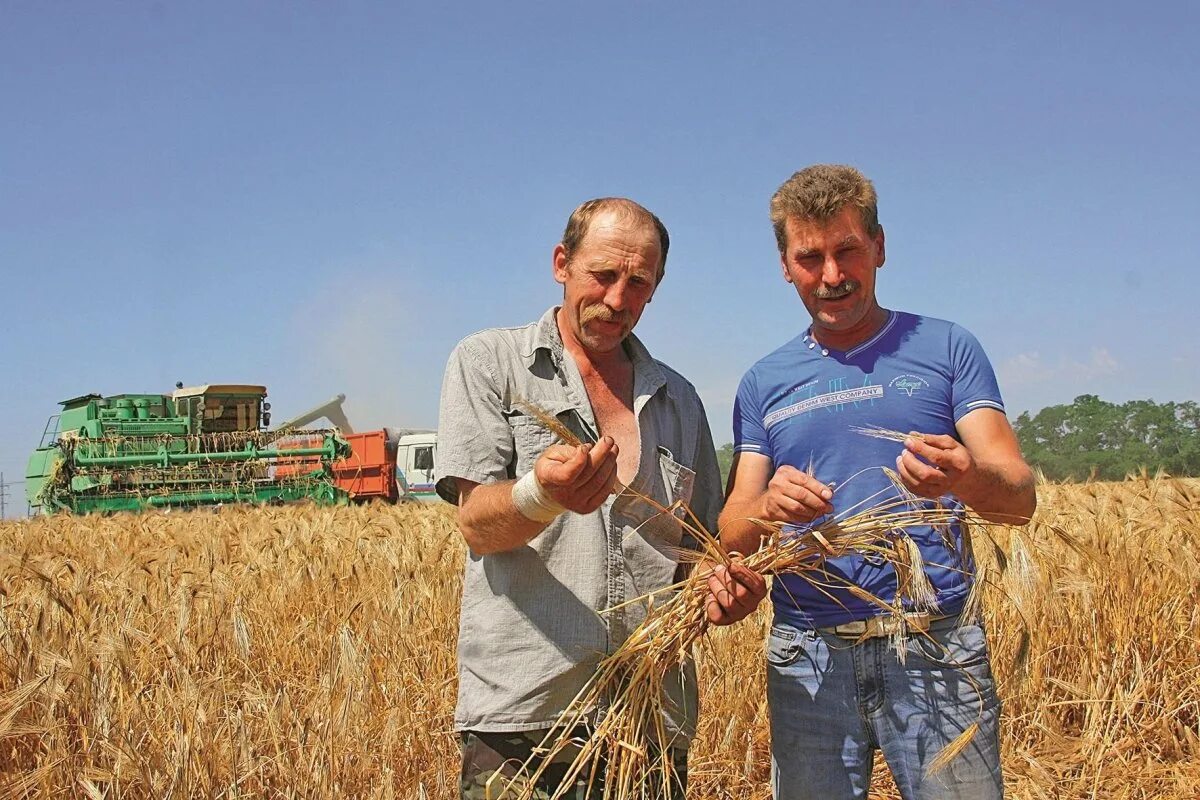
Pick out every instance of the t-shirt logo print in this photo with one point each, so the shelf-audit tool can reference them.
(908, 383)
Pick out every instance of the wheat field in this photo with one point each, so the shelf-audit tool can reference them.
(309, 652)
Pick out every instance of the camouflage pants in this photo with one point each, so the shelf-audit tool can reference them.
(486, 754)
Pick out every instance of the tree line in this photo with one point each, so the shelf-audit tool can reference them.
(1091, 438)
(1094, 439)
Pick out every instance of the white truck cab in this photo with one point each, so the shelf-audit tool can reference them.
(415, 454)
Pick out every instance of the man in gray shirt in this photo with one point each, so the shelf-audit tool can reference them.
(551, 544)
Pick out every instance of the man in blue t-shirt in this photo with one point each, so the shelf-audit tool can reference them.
(836, 684)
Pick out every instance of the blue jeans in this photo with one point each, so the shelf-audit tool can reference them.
(833, 703)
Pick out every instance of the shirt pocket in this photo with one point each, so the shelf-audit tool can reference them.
(653, 537)
(678, 482)
(531, 437)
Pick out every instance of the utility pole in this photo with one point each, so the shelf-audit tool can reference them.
(4, 487)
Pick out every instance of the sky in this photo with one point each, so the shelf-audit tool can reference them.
(324, 198)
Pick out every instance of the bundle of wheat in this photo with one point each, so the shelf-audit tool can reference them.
(626, 754)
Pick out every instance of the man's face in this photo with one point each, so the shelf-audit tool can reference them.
(608, 281)
(832, 264)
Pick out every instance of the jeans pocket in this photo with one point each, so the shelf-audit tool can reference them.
(952, 670)
(960, 647)
(784, 646)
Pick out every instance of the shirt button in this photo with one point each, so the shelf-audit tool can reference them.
(824, 352)
(811, 345)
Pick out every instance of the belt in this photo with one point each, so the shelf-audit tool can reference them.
(886, 625)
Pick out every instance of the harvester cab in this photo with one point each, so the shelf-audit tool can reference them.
(201, 445)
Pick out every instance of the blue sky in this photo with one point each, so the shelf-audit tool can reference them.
(324, 198)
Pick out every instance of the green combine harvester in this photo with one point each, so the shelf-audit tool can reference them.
(198, 446)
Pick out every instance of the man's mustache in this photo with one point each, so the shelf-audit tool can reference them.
(841, 290)
(602, 314)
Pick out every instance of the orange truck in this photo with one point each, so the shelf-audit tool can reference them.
(368, 473)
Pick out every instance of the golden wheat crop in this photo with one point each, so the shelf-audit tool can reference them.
(305, 652)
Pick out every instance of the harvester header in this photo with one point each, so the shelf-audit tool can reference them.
(196, 446)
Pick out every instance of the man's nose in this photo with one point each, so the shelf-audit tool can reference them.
(616, 297)
(831, 272)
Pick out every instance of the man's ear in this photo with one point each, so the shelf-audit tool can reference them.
(787, 276)
(882, 250)
(561, 265)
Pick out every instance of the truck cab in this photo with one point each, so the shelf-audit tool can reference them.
(415, 454)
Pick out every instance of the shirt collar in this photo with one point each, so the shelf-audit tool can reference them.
(813, 344)
(647, 375)
(546, 337)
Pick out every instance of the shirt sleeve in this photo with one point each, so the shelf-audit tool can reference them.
(749, 433)
(975, 383)
(474, 439)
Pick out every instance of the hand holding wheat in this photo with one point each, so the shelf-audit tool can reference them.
(933, 465)
(734, 591)
(795, 496)
(580, 477)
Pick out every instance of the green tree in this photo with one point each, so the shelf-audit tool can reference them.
(725, 460)
(1094, 438)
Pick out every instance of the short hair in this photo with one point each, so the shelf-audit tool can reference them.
(819, 193)
(581, 218)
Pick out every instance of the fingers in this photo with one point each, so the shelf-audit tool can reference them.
(579, 478)
(936, 441)
(797, 484)
(733, 593)
(921, 478)
(560, 466)
(753, 581)
(601, 458)
(916, 469)
(559, 454)
(601, 483)
(933, 464)
(937, 450)
(795, 496)
(596, 480)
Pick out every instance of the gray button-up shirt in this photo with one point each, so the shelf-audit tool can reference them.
(530, 635)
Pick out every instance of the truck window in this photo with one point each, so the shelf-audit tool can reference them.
(423, 458)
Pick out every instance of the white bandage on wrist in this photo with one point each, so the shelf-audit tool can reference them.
(533, 501)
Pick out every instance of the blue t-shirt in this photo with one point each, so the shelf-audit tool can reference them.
(799, 406)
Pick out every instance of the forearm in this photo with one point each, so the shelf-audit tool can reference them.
(490, 521)
(738, 533)
(1004, 493)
